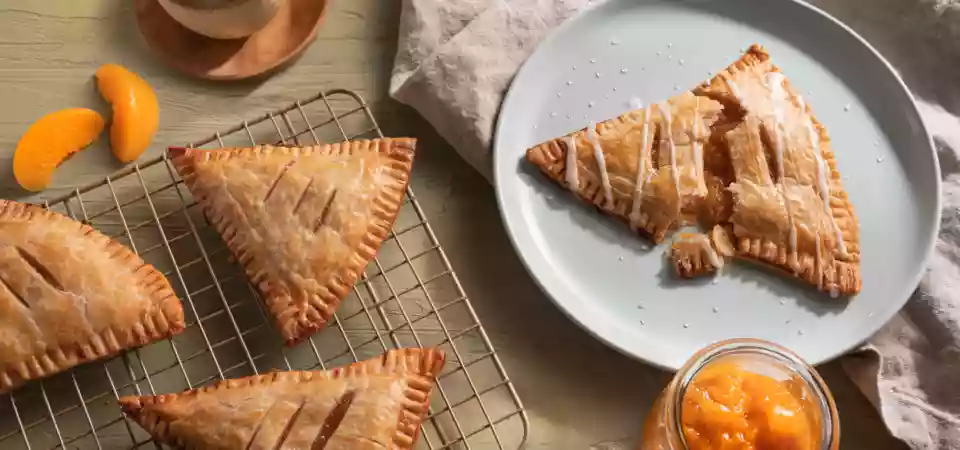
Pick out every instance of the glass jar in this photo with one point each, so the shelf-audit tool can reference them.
(664, 427)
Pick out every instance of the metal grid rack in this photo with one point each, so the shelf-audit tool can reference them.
(408, 296)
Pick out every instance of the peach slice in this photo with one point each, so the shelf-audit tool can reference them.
(51, 140)
(136, 113)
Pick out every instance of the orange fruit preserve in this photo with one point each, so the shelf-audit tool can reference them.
(727, 406)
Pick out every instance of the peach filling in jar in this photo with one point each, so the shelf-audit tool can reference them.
(729, 407)
(744, 394)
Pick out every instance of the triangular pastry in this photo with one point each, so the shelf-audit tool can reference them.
(70, 295)
(304, 222)
(790, 208)
(743, 151)
(374, 404)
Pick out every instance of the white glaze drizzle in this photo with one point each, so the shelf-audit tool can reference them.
(822, 185)
(601, 164)
(697, 150)
(641, 171)
(778, 97)
(668, 123)
(573, 178)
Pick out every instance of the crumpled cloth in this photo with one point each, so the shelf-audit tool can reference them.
(455, 60)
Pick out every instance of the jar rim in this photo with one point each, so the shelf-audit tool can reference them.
(829, 423)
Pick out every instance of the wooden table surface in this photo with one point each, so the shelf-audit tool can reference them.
(578, 393)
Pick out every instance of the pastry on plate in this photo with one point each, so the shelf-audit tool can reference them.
(378, 403)
(305, 221)
(790, 209)
(697, 254)
(644, 166)
(70, 295)
(743, 151)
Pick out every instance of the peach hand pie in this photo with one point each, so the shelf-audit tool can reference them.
(374, 404)
(70, 295)
(304, 222)
(743, 152)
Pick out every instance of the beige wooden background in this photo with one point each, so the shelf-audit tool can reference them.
(578, 392)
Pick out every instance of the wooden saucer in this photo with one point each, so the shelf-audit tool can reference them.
(293, 28)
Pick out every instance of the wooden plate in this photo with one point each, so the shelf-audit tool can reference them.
(293, 28)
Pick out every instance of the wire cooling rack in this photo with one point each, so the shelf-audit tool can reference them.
(408, 296)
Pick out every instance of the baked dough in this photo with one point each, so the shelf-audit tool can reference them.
(743, 151)
(790, 208)
(304, 222)
(696, 254)
(644, 166)
(70, 295)
(374, 404)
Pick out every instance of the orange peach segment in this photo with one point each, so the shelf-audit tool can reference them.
(49, 141)
(136, 113)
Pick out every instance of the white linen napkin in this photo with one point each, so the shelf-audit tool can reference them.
(455, 61)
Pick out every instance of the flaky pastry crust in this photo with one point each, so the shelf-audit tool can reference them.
(780, 217)
(70, 295)
(743, 151)
(304, 222)
(375, 404)
(651, 160)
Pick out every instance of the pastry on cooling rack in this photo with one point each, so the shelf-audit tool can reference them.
(70, 295)
(743, 151)
(377, 403)
(304, 221)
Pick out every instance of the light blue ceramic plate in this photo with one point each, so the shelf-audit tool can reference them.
(602, 276)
